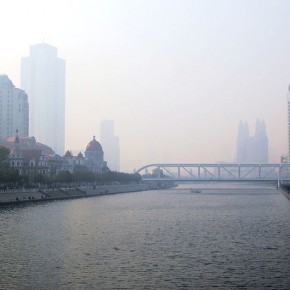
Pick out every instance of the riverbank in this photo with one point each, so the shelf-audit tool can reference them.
(20, 196)
(285, 189)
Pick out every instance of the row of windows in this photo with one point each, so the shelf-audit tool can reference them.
(19, 163)
(11, 107)
(7, 91)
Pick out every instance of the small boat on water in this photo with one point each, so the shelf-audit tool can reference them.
(195, 190)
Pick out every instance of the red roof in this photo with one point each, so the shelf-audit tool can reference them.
(94, 145)
(30, 154)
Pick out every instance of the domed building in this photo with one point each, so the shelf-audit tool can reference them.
(31, 157)
(94, 156)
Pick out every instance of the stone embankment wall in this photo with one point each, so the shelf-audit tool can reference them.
(17, 196)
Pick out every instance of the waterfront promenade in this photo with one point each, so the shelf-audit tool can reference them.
(18, 196)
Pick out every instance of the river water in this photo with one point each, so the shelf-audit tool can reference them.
(225, 237)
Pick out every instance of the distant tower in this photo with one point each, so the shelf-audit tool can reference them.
(243, 143)
(43, 78)
(261, 142)
(110, 143)
(14, 110)
(288, 123)
(252, 149)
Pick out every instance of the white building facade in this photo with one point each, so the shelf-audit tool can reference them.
(14, 109)
(43, 78)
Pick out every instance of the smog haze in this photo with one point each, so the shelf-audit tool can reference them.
(175, 76)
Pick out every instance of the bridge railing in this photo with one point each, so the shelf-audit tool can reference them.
(216, 171)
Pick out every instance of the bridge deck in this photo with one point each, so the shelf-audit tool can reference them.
(228, 172)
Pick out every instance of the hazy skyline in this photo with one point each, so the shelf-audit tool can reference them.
(175, 76)
(43, 78)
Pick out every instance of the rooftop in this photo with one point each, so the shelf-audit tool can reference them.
(4, 80)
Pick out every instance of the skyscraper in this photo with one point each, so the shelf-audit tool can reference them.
(261, 142)
(43, 78)
(288, 123)
(243, 143)
(252, 149)
(110, 144)
(14, 109)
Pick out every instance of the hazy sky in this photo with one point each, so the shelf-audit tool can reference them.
(176, 76)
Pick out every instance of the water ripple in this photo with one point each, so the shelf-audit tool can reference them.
(150, 240)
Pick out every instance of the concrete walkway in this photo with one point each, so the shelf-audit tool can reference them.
(13, 196)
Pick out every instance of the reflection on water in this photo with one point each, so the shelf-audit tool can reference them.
(222, 237)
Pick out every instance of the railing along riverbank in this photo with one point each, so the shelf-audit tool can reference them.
(26, 195)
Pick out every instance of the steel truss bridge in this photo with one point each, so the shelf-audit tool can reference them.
(274, 172)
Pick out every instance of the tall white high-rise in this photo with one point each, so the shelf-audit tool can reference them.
(110, 144)
(43, 78)
(14, 110)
